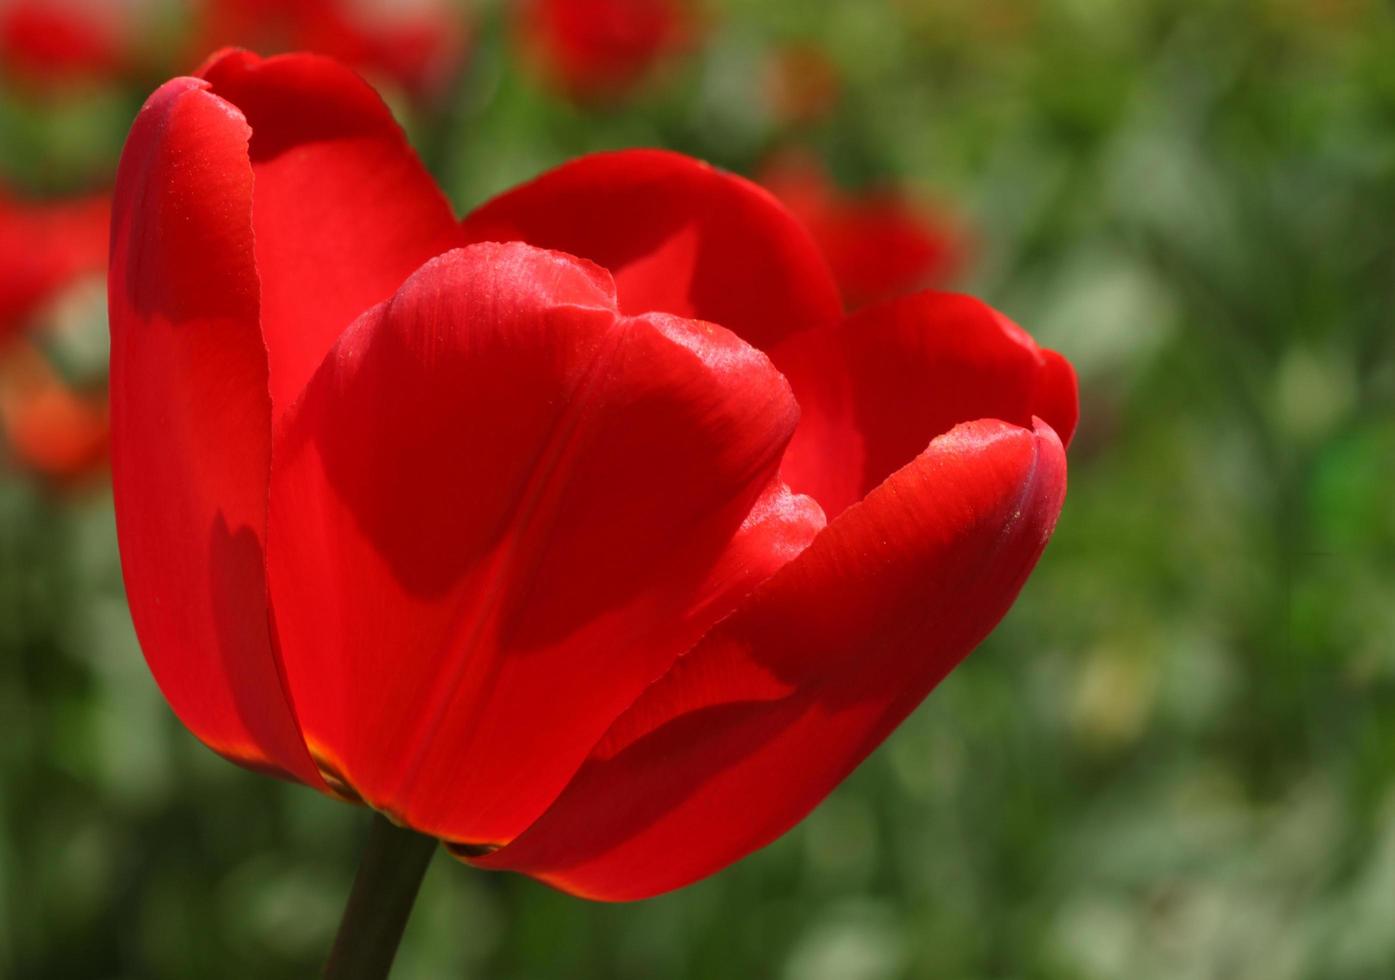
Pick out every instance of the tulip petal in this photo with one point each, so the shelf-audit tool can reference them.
(344, 210)
(876, 388)
(754, 726)
(191, 426)
(679, 236)
(499, 512)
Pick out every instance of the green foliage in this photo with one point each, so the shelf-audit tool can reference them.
(1174, 759)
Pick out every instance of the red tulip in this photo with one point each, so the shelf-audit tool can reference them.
(417, 43)
(879, 244)
(507, 539)
(602, 49)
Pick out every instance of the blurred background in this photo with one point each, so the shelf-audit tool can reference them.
(1176, 756)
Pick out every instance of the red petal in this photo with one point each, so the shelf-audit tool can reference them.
(191, 425)
(44, 247)
(679, 236)
(875, 389)
(499, 512)
(753, 727)
(344, 211)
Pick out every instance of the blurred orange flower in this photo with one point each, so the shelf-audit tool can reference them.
(803, 84)
(51, 427)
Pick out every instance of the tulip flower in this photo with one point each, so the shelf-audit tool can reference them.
(586, 535)
(878, 243)
(599, 50)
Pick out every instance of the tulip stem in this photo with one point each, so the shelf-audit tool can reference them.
(389, 875)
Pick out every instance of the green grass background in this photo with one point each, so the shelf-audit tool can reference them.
(1175, 759)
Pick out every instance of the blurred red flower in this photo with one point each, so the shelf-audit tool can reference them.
(417, 43)
(51, 42)
(46, 248)
(879, 243)
(586, 536)
(596, 50)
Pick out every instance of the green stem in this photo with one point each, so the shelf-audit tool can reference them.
(394, 861)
